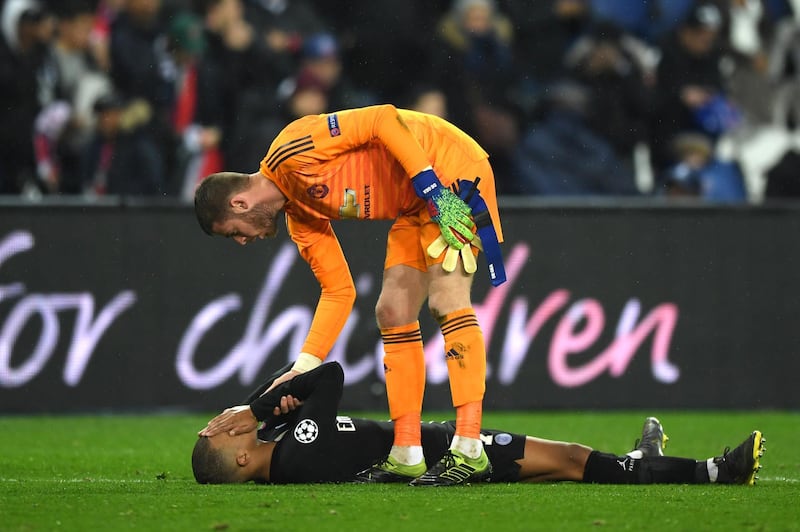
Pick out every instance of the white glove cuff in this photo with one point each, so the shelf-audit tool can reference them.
(306, 362)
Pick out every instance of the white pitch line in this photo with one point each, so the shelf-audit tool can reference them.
(83, 480)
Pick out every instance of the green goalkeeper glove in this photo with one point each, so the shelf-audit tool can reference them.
(445, 208)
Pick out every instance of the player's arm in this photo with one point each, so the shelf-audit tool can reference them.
(320, 386)
(319, 246)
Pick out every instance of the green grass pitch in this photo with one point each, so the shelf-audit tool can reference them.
(133, 472)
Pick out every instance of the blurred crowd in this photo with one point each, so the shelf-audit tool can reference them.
(673, 98)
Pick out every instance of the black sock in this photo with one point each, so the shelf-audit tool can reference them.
(671, 470)
(604, 468)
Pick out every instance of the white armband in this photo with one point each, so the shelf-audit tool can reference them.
(306, 362)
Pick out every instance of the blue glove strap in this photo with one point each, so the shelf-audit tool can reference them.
(468, 191)
(426, 184)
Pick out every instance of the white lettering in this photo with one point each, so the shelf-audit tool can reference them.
(87, 330)
(263, 333)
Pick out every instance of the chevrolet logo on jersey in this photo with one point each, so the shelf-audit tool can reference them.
(350, 208)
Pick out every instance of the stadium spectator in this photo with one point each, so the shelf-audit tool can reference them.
(543, 32)
(321, 61)
(241, 74)
(303, 95)
(80, 83)
(315, 444)
(428, 99)
(284, 25)
(699, 173)
(562, 156)
(105, 14)
(122, 158)
(609, 64)
(28, 80)
(380, 35)
(472, 61)
(199, 151)
(690, 93)
(142, 69)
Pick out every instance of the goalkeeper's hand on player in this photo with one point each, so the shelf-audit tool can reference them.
(446, 209)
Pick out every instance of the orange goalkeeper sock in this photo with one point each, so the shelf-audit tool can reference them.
(466, 366)
(468, 419)
(404, 368)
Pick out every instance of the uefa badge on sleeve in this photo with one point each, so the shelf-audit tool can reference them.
(333, 125)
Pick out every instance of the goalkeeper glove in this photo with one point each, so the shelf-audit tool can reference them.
(440, 246)
(485, 239)
(446, 209)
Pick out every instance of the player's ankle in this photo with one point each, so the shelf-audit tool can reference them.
(469, 447)
(409, 455)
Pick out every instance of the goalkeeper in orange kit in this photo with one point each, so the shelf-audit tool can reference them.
(436, 183)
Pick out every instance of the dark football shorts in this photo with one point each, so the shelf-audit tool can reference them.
(503, 449)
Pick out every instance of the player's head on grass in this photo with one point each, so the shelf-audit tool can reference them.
(239, 206)
(226, 459)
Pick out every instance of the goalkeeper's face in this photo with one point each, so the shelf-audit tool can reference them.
(259, 222)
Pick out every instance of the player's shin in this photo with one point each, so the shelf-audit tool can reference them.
(404, 370)
(465, 353)
(604, 468)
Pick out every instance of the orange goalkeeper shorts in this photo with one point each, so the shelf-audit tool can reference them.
(412, 233)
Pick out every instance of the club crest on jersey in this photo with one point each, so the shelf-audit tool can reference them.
(318, 191)
(333, 125)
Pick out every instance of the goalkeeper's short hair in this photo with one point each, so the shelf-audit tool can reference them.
(212, 195)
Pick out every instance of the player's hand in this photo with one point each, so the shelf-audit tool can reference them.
(446, 209)
(288, 404)
(289, 375)
(234, 420)
(452, 254)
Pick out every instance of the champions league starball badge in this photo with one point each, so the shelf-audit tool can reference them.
(306, 431)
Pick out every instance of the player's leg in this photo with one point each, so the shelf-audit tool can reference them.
(403, 293)
(465, 353)
(548, 460)
(450, 303)
(646, 465)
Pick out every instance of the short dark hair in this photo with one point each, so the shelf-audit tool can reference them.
(212, 196)
(209, 465)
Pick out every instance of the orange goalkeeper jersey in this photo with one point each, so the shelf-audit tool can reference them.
(355, 164)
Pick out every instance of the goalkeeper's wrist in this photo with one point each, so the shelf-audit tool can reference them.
(426, 183)
(306, 362)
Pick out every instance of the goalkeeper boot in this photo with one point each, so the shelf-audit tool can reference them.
(740, 465)
(455, 468)
(653, 441)
(388, 471)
